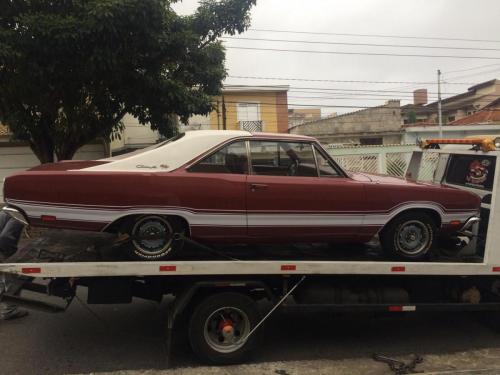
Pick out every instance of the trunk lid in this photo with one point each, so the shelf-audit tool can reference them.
(67, 165)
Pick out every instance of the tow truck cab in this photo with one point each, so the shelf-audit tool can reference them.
(471, 169)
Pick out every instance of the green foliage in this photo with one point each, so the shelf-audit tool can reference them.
(412, 117)
(71, 69)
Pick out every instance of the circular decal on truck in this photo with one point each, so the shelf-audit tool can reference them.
(478, 172)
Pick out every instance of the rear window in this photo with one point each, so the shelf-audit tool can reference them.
(475, 171)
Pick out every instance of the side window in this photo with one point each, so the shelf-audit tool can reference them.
(475, 171)
(325, 167)
(229, 159)
(283, 158)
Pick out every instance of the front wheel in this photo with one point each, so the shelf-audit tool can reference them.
(409, 236)
(219, 328)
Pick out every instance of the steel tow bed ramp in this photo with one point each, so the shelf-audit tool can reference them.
(246, 267)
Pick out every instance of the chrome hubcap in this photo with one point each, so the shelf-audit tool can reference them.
(152, 235)
(413, 237)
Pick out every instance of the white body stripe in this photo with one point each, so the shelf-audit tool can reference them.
(235, 219)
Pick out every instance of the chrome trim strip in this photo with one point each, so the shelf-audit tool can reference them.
(15, 214)
(469, 223)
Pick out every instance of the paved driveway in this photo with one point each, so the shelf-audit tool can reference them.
(129, 339)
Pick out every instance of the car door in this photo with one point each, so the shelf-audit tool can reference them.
(213, 190)
(292, 197)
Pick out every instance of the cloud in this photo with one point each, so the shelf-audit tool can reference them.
(437, 18)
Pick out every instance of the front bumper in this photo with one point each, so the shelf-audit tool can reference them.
(16, 214)
(469, 224)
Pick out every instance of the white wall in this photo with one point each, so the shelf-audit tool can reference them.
(197, 122)
(134, 135)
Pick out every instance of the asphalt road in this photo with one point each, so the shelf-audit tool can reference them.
(117, 338)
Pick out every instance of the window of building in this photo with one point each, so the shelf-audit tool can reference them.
(248, 111)
(371, 141)
(249, 117)
(325, 167)
(229, 159)
(283, 159)
(451, 118)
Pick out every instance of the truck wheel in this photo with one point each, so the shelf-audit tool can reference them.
(409, 236)
(219, 327)
(155, 237)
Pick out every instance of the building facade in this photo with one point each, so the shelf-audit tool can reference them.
(484, 122)
(252, 108)
(370, 126)
(454, 108)
(133, 136)
(297, 116)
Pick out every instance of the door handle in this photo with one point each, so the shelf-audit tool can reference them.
(254, 187)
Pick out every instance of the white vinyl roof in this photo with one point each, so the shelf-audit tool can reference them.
(170, 155)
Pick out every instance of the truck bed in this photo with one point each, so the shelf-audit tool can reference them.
(67, 253)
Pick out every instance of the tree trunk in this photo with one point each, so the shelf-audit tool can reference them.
(41, 141)
(67, 153)
(43, 148)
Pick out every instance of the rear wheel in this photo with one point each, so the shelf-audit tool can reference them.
(155, 237)
(409, 236)
(219, 327)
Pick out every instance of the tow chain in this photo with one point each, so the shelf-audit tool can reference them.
(400, 367)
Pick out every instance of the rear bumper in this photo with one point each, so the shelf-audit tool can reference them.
(16, 214)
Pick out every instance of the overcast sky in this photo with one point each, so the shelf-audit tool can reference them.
(461, 19)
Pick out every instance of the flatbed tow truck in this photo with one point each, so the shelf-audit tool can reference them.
(217, 290)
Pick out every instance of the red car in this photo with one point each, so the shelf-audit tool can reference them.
(238, 187)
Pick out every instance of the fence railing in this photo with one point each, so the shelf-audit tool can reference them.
(390, 160)
(252, 126)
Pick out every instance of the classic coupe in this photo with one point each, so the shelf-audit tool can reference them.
(237, 187)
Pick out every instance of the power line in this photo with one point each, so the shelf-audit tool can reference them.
(349, 94)
(345, 81)
(474, 68)
(295, 104)
(274, 104)
(363, 44)
(475, 74)
(364, 53)
(296, 88)
(345, 98)
(361, 91)
(353, 95)
(374, 35)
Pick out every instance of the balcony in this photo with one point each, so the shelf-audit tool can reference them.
(252, 126)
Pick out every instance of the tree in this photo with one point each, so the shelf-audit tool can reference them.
(71, 69)
(412, 117)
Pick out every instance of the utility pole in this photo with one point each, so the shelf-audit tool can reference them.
(440, 112)
(218, 115)
(224, 118)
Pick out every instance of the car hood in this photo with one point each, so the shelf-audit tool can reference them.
(390, 180)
